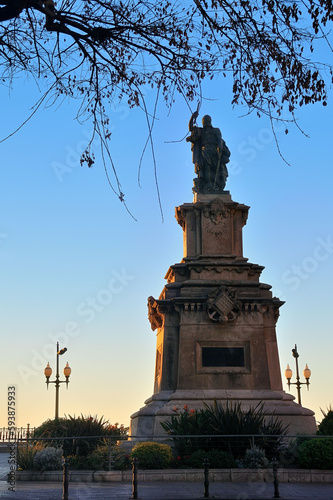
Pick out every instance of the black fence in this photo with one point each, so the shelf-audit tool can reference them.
(281, 448)
(244, 451)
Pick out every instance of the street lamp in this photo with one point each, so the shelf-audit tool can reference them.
(57, 382)
(306, 372)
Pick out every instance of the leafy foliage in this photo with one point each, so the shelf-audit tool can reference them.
(26, 453)
(78, 427)
(255, 458)
(229, 421)
(48, 459)
(152, 455)
(326, 425)
(100, 53)
(288, 452)
(189, 423)
(121, 459)
(316, 453)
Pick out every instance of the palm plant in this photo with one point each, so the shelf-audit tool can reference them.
(80, 427)
(235, 429)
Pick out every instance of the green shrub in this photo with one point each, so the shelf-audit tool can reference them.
(255, 458)
(79, 427)
(273, 431)
(121, 459)
(326, 425)
(217, 459)
(191, 423)
(99, 459)
(288, 452)
(152, 455)
(26, 454)
(77, 462)
(48, 459)
(316, 453)
(225, 420)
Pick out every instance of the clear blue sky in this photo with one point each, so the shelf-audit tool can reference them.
(76, 267)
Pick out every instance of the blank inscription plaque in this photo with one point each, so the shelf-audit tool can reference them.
(222, 356)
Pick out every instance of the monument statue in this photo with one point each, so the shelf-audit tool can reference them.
(215, 319)
(210, 155)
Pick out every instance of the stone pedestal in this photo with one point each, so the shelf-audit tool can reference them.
(215, 325)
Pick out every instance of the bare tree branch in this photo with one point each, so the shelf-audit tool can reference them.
(104, 51)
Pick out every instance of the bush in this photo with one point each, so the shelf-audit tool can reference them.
(48, 459)
(99, 459)
(152, 455)
(229, 419)
(77, 462)
(194, 422)
(26, 454)
(326, 425)
(217, 459)
(288, 452)
(316, 453)
(255, 458)
(120, 457)
(79, 427)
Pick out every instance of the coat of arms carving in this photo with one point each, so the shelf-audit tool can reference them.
(222, 305)
(218, 216)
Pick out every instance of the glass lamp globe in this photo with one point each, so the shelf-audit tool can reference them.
(48, 371)
(67, 370)
(288, 373)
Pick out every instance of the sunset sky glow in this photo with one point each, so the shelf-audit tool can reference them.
(77, 268)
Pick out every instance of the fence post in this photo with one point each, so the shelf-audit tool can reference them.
(17, 452)
(206, 481)
(135, 464)
(65, 479)
(275, 479)
(110, 467)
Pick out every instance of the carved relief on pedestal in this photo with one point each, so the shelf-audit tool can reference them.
(155, 318)
(222, 305)
(276, 314)
(218, 217)
(180, 216)
(245, 214)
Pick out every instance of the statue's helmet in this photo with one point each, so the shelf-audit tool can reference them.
(206, 121)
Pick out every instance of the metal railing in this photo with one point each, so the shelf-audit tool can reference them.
(7, 435)
(280, 447)
(275, 446)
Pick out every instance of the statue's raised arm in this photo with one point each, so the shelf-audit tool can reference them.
(210, 155)
(192, 120)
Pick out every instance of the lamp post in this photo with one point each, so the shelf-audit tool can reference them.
(298, 383)
(57, 382)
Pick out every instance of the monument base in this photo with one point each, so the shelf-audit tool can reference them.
(146, 423)
(216, 326)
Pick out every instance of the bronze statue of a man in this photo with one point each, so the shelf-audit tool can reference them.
(210, 155)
